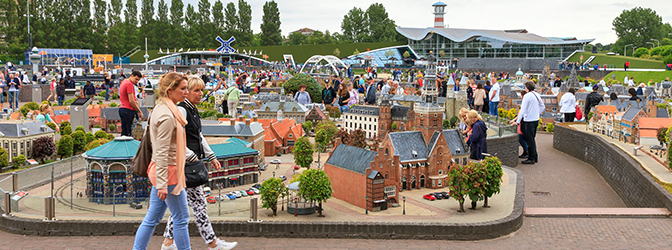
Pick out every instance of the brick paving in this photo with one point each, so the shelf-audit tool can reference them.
(536, 233)
(570, 182)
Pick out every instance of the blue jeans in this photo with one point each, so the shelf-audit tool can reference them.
(157, 208)
(107, 93)
(493, 108)
(13, 99)
(60, 100)
(344, 108)
(523, 144)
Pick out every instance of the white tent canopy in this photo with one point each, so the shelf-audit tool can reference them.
(332, 61)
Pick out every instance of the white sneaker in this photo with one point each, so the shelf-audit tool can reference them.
(223, 245)
(171, 247)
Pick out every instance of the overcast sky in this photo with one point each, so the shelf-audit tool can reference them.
(582, 19)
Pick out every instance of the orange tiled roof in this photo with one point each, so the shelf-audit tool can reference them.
(298, 130)
(282, 127)
(266, 123)
(654, 122)
(270, 137)
(94, 112)
(59, 118)
(601, 109)
(648, 133)
(15, 116)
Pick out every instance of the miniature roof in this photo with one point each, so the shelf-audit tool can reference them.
(601, 109)
(287, 107)
(226, 150)
(121, 148)
(240, 129)
(240, 142)
(654, 122)
(316, 110)
(406, 143)
(373, 174)
(14, 129)
(662, 113)
(399, 111)
(432, 142)
(283, 126)
(364, 110)
(351, 158)
(454, 141)
(630, 113)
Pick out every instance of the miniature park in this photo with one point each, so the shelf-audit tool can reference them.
(397, 155)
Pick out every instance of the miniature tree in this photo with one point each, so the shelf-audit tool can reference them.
(113, 105)
(80, 128)
(315, 186)
(43, 147)
(4, 159)
(65, 128)
(112, 128)
(271, 190)
(358, 139)
(303, 152)
(90, 137)
(92, 145)
(307, 126)
(493, 177)
(476, 176)
(19, 160)
(344, 136)
(329, 129)
(65, 146)
(100, 134)
(660, 135)
(394, 126)
(109, 136)
(314, 89)
(458, 183)
(335, 112)
(78, 141)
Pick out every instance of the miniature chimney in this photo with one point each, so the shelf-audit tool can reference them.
(241, 119)
(255, 119)
(233, 121)
(247, 122)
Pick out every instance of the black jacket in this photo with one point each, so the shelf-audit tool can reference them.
(193, 130)
(370, 95)
(592, 100)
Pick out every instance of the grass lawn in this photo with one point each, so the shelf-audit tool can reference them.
(618, 61)
(641, 76)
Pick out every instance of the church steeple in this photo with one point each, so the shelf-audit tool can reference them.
(428, 113)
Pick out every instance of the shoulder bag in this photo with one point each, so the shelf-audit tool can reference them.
(143, 157)
(196, 173)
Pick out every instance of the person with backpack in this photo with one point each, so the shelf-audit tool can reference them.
(370, 98)
(328, 94)
(302, 96)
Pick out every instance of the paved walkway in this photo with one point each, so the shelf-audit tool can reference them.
(536, 233)
(560, 180)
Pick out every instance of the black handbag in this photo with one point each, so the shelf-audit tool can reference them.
(196, 173)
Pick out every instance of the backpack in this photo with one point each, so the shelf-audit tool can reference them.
(328, 98)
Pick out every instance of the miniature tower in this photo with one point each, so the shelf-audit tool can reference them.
(428, 113)
(439, 11)
(519, 76)
(385, 118)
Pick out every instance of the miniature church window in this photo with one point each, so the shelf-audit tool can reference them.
(387, 151)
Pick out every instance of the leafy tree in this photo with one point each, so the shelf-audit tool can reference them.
(80, 128)
(641, 51)
(315, 186)
(312, 87)
(78, 141)
(19, 160)
(231, 20)
(665, 41)
(4, 159)
(353, 26)
(100, 134)
(177, 22)
(660, 135)
(328, 129)
(493, 177)
(335, 112)
(90, 137)
(270, 25)
(161, 23)
(65, 128)
(303, 152)
(92, 145)
(296, 38)
(637, 26)
(271, 190)
(51, 125)
(458, 183)
(130, 25)
(244, 23)
(204, 21)
(358, 138)
(65, 146)
(307, 126)
(217, 20)
(147, 23)
(394, 126)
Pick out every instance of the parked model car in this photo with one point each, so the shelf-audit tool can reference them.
(237, 194)
(136, 205)
(211, 199)
(283, 178)
(249, 192)
(438, 196)
(276, 161)
(256, 191)
(231, 196)
(257, 186)
(429, 197)
(243, 193)
(446, 195)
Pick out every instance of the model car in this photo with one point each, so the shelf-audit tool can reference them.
(211, 199)
(256, 191)
(249, 192)
(429, 197)
(243, 193)
(136, 205)
(231, 196)
(276, 161)
(438, 196)
(446, 195)
(283, 178)
(235, 193)
(257, 186)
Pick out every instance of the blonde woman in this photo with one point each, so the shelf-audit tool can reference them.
(166, 170)
(477, 139)
(197, 148)
(465, 126)
(44, 116)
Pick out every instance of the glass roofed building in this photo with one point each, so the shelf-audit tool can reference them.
(479, 43)
(381, 57)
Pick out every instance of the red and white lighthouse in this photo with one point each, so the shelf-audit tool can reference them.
(439, 11)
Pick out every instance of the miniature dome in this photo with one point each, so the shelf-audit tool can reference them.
(439, 4)
(121, 148)
(519, 73)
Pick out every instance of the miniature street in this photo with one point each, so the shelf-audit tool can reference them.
(586, 189)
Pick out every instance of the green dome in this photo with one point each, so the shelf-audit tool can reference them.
(121, 148)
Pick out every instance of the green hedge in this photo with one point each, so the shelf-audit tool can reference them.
(618, 61)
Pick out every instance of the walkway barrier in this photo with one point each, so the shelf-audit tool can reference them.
(6, 204)
(49, 212)
(254, 210)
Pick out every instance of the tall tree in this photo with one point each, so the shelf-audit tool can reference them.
(116, 35)
(177, 23)
(130, 25)
(381, 28)
(218, 18)
(231, 20)
(637, 26)
(245, 23)
(270, 25)
(100, 27)
(162, 24)
(353, 26)
(147, 23)
(190, 27)
(205, 25)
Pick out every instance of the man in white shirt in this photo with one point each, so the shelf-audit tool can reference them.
(494, 98)
(528, 116)
(626, 80)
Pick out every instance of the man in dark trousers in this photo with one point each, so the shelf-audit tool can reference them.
(370, 98)
(129, 105)
(592, 100)
(528, 117)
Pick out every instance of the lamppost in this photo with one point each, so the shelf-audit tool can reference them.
(625, 51)
(28, 16)
(296, 204)
(114, 200)
(404, 197)
(656, 41)
(652, 44)
(367, 205)
(219, 203)
(273, 174)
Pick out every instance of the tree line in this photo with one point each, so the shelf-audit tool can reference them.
(118, 26)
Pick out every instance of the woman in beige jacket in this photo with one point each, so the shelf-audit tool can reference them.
(479, 97)
(166, 170)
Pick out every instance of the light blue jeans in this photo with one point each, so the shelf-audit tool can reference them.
(13, 99)
(157, 208)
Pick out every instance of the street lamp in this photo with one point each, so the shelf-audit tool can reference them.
(625, 52)
(404, 205)
(652, 44)
(367, 205)
(656, 41)
(28, 16)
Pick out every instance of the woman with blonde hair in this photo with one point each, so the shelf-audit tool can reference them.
(477, 139)
(45, 115)
(197, 149)
(166, 170)
(464, 126)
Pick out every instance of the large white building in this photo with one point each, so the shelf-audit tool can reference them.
(364, 118)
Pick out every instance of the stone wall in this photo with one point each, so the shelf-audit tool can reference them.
(25, 95)
(505, 64)
(625, 175)
(505, 148)
(290, 229)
